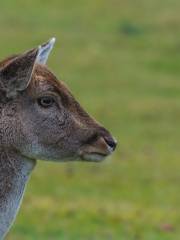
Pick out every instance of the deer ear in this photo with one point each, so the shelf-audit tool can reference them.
(16, 75)
(44, 51)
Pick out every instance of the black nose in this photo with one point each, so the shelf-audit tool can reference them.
(111, 142)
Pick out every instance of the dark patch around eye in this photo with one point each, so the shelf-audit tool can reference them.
(46, 101)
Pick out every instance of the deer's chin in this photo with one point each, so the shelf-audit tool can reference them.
(93, 157)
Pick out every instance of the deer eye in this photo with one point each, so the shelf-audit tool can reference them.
(46, 101)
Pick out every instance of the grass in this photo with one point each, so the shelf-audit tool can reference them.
(122, 61)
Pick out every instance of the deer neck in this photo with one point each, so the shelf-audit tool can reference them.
(14, 174)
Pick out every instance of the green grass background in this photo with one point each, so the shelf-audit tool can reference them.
(121, 59)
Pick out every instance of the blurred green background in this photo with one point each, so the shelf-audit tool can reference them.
(121, 59)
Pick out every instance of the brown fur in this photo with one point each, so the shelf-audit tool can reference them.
(29, 130)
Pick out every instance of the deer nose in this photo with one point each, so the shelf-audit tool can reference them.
(111, 142)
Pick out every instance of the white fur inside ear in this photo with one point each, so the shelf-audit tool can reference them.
(44, 51)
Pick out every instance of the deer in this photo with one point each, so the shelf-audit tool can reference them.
(40, 119)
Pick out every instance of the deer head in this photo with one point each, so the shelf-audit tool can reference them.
(43, 119)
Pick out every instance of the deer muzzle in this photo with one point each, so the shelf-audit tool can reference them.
(97, 147)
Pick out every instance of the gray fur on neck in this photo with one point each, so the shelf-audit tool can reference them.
(14, 174)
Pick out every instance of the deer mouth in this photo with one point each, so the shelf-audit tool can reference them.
(93, 156)
(95, 153)
(97, 148)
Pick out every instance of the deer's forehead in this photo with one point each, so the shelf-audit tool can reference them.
(44, 80)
